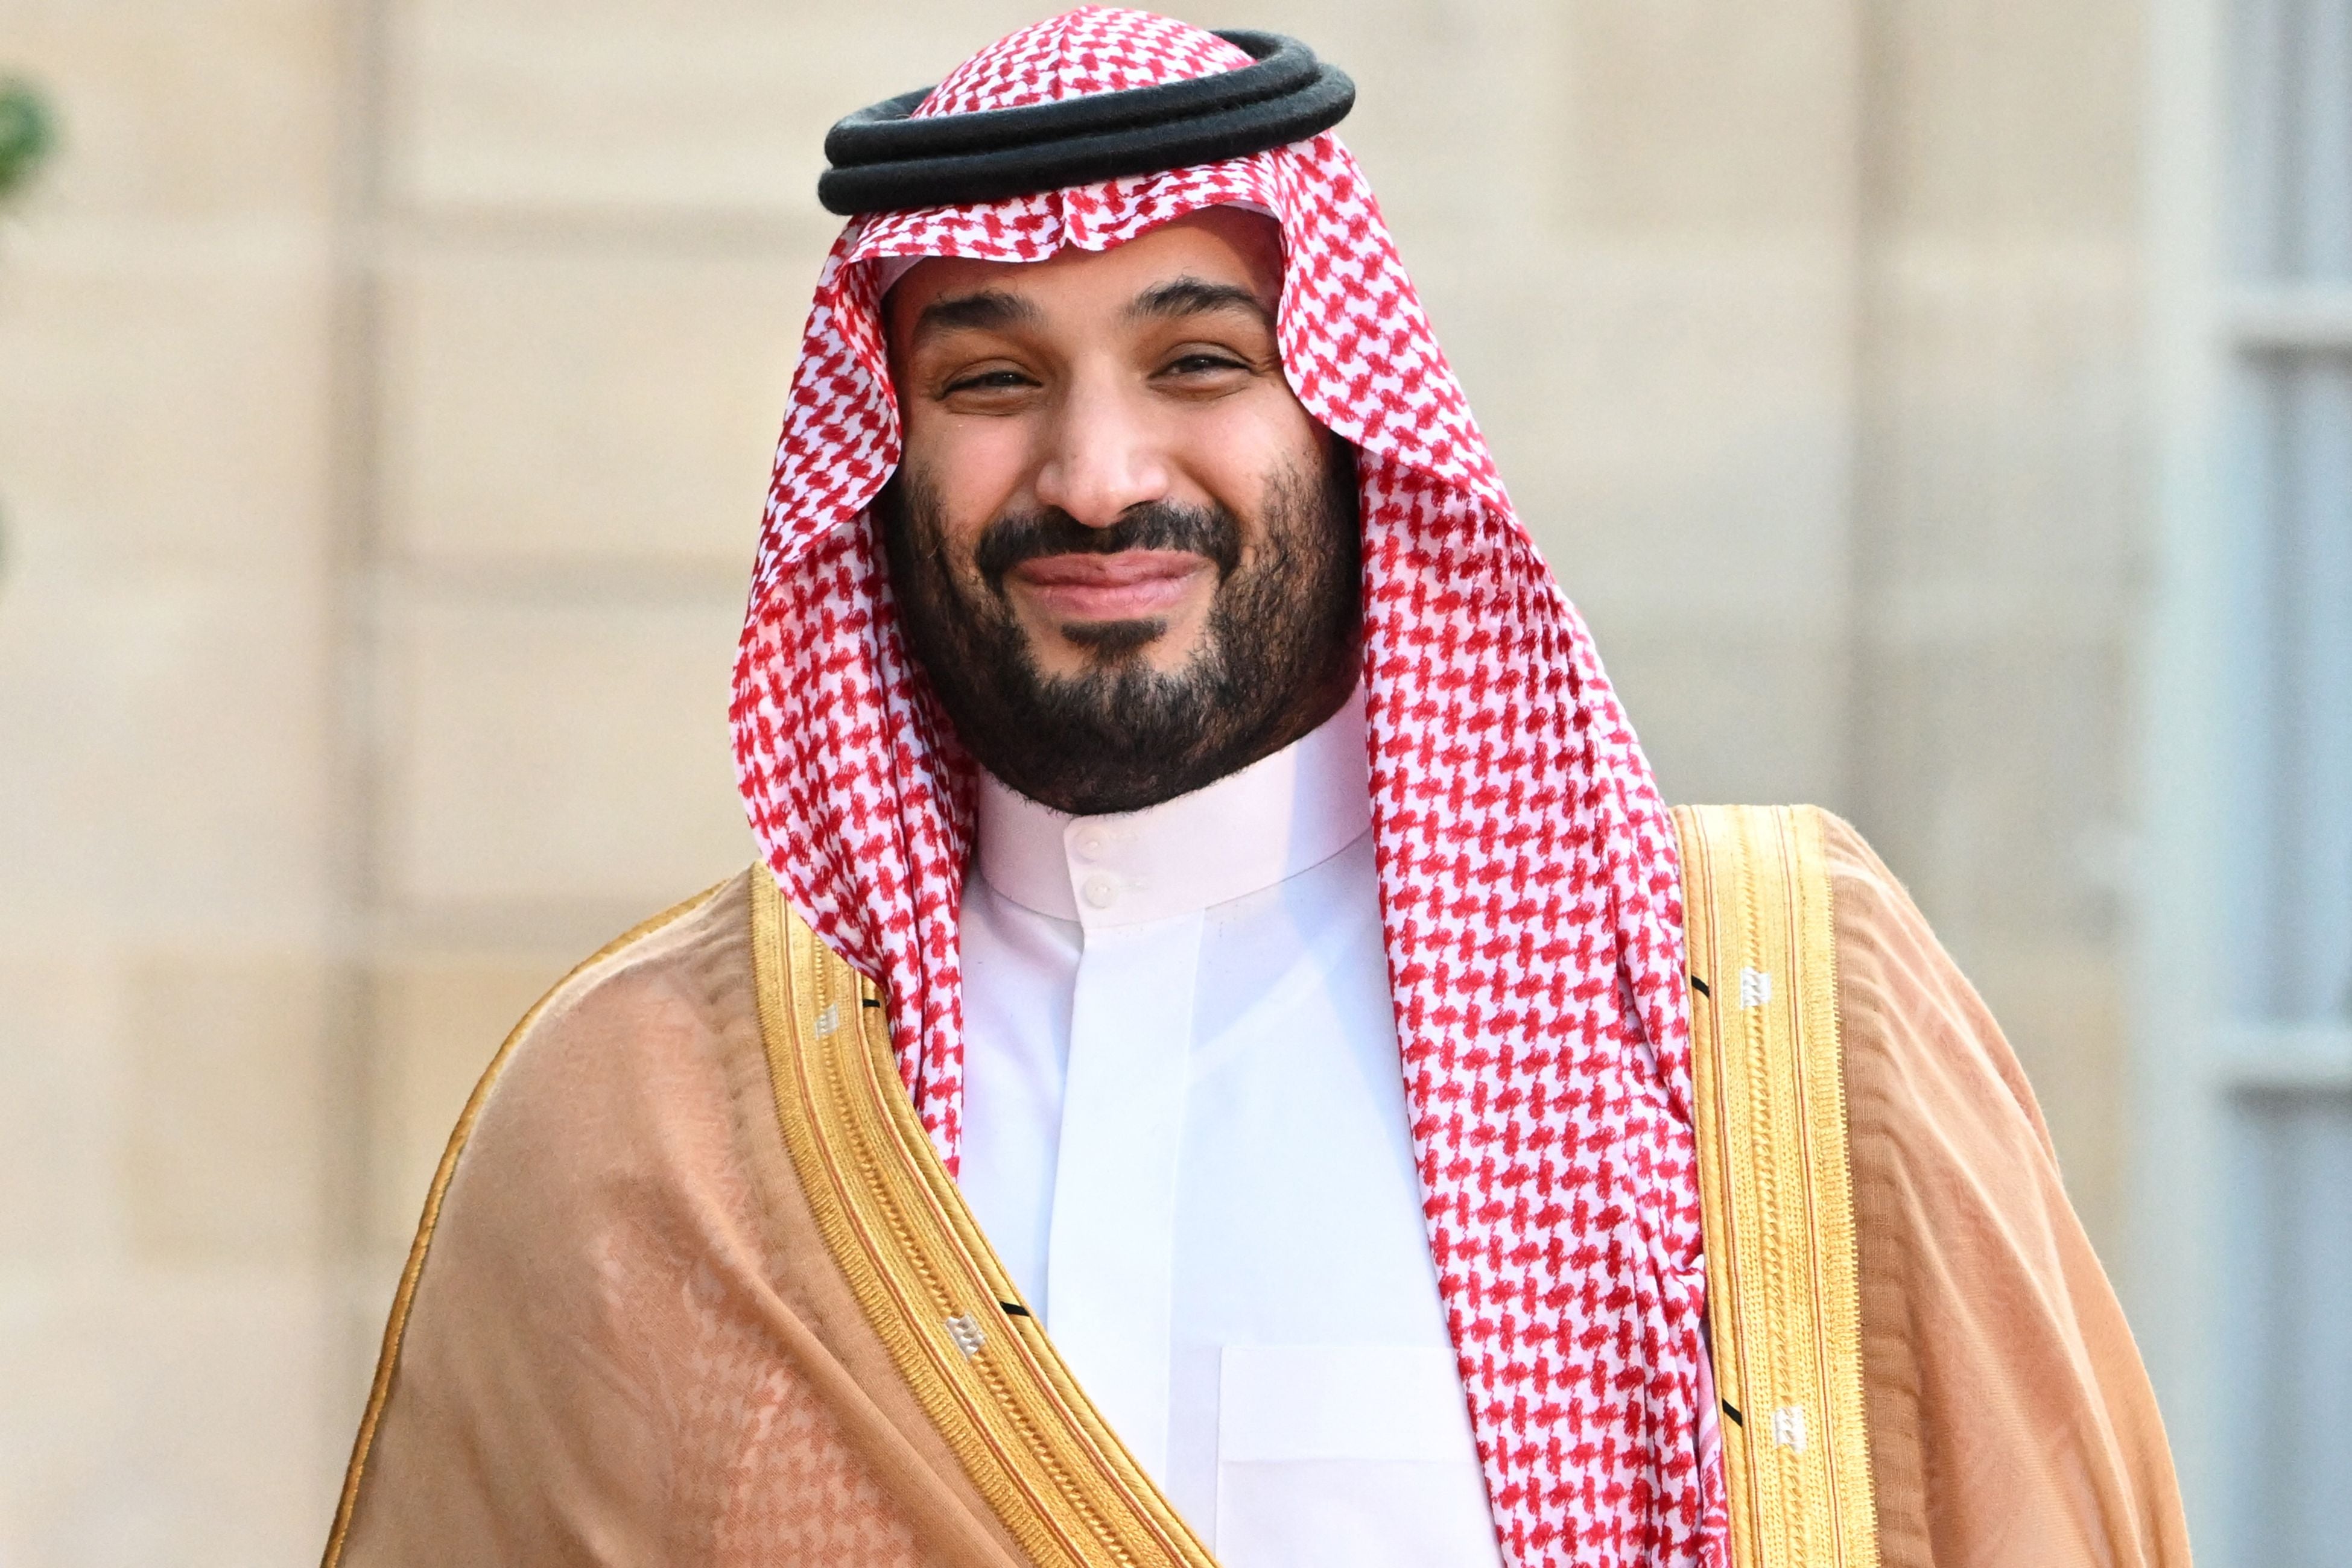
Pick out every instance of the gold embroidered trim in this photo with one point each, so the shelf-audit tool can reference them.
(928, 1281)
(1775, 1186)
(388, 1358)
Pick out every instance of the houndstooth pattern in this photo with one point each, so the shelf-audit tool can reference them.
(1527, 867)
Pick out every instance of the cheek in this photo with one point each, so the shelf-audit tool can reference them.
(1236, 452)
(977, 469)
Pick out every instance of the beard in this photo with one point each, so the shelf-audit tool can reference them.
(1277, 655)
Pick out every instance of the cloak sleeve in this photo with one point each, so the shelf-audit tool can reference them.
(621, 1341)
(2009, 1418)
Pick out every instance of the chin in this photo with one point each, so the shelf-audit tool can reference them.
(1100, 643)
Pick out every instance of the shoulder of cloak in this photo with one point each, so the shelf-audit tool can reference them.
(619, 1336)
(2009, 1418)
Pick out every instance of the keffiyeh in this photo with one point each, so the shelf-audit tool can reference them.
(1527, 872)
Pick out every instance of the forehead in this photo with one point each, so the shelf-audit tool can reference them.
(1215, 245)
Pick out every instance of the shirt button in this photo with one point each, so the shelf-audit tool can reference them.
(1090, 845)
(1101, 892)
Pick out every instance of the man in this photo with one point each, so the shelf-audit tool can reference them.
(1208, 1064)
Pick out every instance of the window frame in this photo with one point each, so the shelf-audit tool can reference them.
(2203, 1054)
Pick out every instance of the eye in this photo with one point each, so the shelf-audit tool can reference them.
(1201, 362)
(989, 381)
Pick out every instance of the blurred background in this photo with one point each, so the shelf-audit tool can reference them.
(1941, 409)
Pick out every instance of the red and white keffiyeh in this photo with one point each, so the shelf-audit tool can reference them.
(1527, 867)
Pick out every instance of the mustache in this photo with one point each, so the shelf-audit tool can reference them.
(1210, 531)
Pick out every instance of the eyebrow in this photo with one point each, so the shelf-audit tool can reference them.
(1189, 296)
(990, 309)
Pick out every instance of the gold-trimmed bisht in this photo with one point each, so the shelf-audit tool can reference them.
(931, 1287)
(1775, 1191)
(1776, 1186)
(395, 1327)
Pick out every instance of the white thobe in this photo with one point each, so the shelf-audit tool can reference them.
(1185, 1134)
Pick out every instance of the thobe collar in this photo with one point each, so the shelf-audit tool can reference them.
(1246, 831)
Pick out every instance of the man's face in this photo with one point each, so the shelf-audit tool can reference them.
(1123, 550)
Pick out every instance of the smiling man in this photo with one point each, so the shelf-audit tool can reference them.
(1226, 1056)
(1126, 554)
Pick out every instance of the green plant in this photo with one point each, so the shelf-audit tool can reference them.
(24, 134)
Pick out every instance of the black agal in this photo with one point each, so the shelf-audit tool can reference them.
(883, 161)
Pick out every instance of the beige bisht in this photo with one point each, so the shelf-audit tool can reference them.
(691, 1286)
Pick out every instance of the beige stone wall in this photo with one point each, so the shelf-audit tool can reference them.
(386, 396)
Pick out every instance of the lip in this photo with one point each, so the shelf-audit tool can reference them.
(1129, 585)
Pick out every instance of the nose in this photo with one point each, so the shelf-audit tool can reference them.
(1103, 457)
